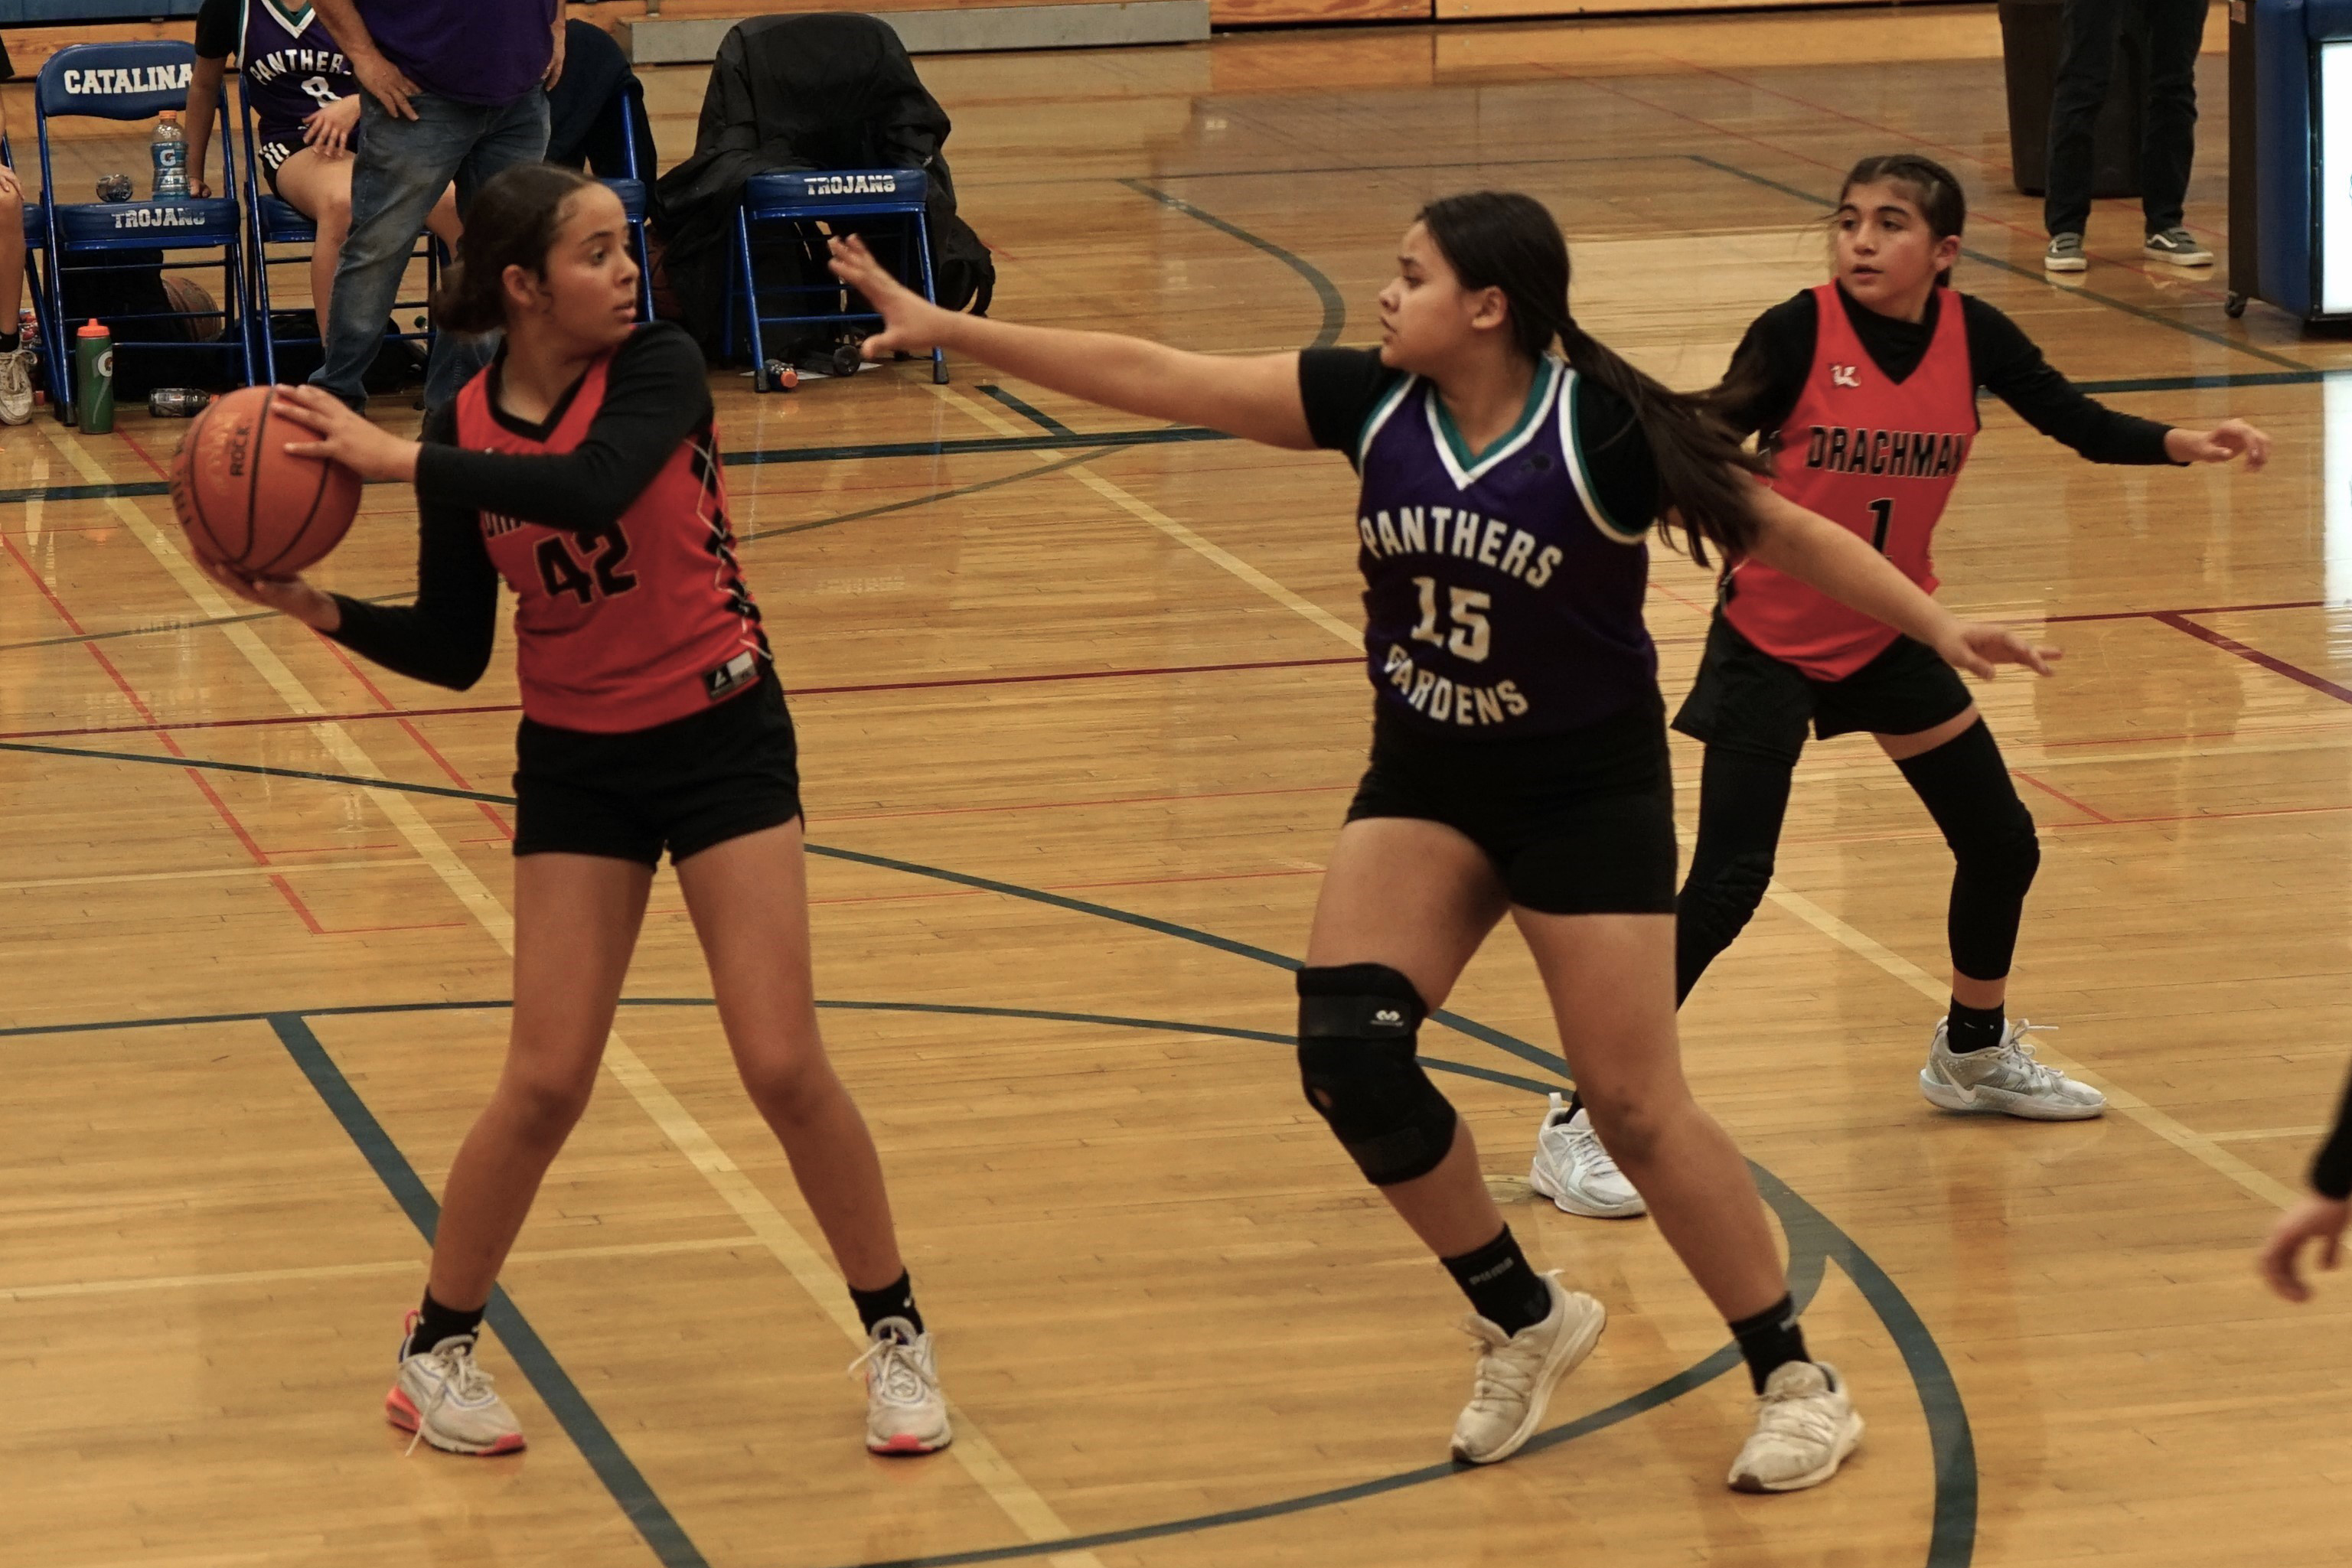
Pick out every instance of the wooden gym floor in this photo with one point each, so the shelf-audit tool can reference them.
(1081, 713)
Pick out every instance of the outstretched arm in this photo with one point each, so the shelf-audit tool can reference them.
(1256, 397)
(2321, 1218)
(1823, 555)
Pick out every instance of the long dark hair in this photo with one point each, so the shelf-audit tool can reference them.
(513, 222)
(1500, 239)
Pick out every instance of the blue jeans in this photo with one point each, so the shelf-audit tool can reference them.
(399, 171)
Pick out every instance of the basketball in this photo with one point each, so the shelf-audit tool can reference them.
(245, 502)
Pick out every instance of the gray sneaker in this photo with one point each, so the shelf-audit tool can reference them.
(2178, 247)
(2065, 254)
(2003, 1080)
(16, 386)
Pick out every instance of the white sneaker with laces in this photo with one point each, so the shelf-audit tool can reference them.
(1805, 1427)
(2003, 1080)
(445, 1397)
(1575, 1172)
(904, 1411)
(16, 386)
(1517, 1373)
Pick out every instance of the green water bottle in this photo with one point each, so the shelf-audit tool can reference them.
(94, 379)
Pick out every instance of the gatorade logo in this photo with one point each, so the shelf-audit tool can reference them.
(108, 83)
(106, 365)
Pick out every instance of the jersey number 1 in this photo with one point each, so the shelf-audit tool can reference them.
(561, 571)
(1883, 514)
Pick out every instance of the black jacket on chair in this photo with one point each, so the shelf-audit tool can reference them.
(815, 92)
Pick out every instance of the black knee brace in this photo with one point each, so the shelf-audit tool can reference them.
(1713, 906)
(1357, 1024)
(1995, 853)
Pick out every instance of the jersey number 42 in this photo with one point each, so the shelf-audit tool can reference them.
(562, 571)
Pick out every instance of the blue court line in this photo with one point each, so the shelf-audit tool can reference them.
(1043, 420)
(1334, 307)
(1998, 265)
(1952, 1536)
(1808, 1234)
(563, 1398)
(755, 535)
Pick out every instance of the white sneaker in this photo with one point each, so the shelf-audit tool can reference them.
(1575, 1172)
(445, 1397)
(1805, 1427)
(2003, 1080)
(904, 1411)
(1517, 1373)
(16, 386)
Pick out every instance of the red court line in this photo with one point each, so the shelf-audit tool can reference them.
(796, 692)
(2057, 794)
(2276, 665)
(410, 730)
(1074, 805)
(2199, 610)
(138, 705)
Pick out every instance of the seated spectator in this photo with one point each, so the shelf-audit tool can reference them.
(306, 113)
(16, 357)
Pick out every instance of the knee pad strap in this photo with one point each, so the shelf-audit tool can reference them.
(1357, 1027)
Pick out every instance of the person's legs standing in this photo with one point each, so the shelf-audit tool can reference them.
(2176, 31)
(2085, 60)
(398, 173)
(511, 134)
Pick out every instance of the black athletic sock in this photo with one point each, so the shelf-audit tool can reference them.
(895, 1300)
(435, 1322)
(12, 341)
(1771, 1339)
(1974, 1028)
(1575, 1102)
(1502, 1288)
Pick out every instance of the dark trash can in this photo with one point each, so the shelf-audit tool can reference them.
(2033, 32)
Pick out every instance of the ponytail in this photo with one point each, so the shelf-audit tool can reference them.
(1499, 239)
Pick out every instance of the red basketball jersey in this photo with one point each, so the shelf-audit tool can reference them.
(1876, 456)
(636, 625)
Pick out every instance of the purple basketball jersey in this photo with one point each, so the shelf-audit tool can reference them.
(1497, 599)
(291, 67)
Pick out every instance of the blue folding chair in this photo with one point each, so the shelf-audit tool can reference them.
(859, 194)
(272, 220)
(631, 188)
(132, 82)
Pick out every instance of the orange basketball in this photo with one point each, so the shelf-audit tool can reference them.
(245, 502)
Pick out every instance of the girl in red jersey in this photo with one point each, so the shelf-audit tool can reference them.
(583, 466)
(1865, 389)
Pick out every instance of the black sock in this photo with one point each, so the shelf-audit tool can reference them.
(12, 341)
(1771, 1339)
(895, 1300)
(1502, 1288)
(1974, 1028)
(435, 1322)
(1575, 1102)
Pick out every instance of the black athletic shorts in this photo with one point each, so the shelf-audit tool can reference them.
(1581, 823)
(685, 785)
(1746, 700)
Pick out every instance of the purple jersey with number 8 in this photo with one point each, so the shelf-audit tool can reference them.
(291, 67)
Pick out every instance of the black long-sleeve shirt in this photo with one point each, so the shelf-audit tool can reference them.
(656, 393)
(2331, 1168)
(1777, 355)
